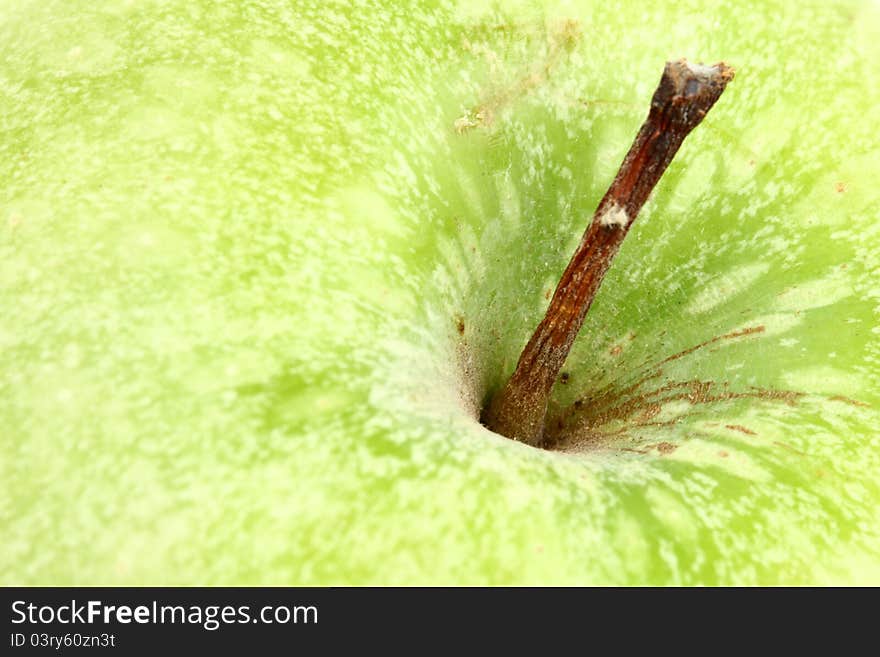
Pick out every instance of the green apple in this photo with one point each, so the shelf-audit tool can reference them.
(262, 264)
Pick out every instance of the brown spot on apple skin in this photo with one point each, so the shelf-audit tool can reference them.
(665, 447)
(850, 401)
(840, 187)
(723, 454)
(651, 411)
(459, 324)
(741, 429)
(607, 416)
(790, 448)
(751, 330)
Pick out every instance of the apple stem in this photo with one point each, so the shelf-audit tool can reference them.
(685, 94)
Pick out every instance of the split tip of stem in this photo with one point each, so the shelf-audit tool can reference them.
(703, 74)
(689, 85)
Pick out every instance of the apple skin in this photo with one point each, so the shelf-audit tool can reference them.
(261, 264)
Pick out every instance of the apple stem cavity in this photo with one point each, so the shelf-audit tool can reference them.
(684, 96)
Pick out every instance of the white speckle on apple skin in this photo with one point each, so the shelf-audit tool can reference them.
(777, 323)
(614, 216)
(726, 287)
(816, 293)
(823, 378)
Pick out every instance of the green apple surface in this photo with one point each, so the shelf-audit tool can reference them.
(261, 263)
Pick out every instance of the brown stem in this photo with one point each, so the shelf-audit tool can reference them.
(685, 94)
